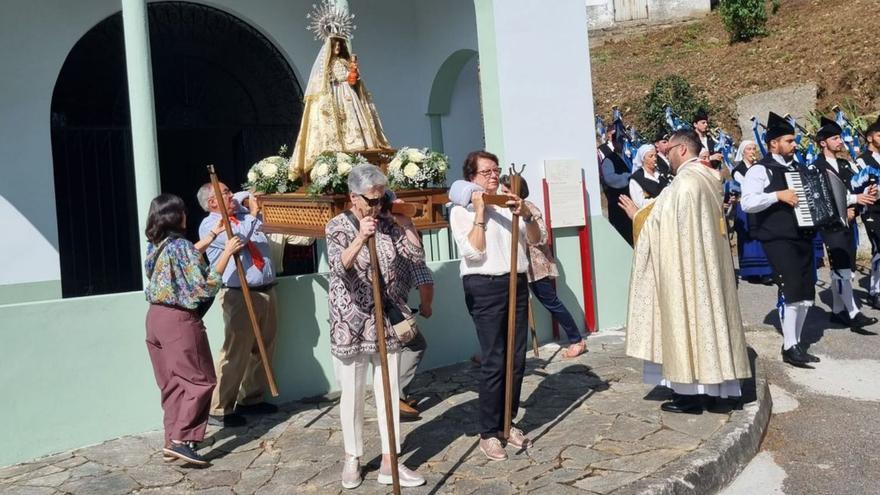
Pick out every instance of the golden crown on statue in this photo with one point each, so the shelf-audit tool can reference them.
(329, 20)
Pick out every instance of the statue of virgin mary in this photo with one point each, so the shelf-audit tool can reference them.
(339, 114)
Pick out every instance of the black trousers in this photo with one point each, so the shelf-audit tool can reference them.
(872, 227)
(792, 262)
(841, 247)
(486, 297)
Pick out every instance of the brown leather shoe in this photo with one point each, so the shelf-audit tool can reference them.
(407, 411)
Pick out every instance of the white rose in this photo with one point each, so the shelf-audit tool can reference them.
(269, 169)
(342, 158)
(395, 164)
(343, 168)
(322, 170)
(252, 176)
(441, 166)
(415, 156)
(411, 170)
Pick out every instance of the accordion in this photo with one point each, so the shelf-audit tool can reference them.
(821, 198)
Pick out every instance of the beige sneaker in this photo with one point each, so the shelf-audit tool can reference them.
(351, 473)
(518, 439)
(493, 449)
(408, 478)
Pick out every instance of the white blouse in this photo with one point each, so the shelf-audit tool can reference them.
(495, 259)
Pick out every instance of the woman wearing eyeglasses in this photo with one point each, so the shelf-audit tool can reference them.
(483, 235)
(353, 341)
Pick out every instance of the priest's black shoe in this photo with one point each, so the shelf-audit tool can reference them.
(795, 356)
(718, 405)
(811, 358)
(689, 404)
(860, 320)
(841, 318)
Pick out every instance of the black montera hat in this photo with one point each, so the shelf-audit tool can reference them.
(660, 136)
(827, 129)
(700, 115)
(777, 127)
(875, 127)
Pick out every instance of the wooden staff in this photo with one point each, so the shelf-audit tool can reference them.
(511, 307)
(379, 313)
(242, 277)
(532, 330)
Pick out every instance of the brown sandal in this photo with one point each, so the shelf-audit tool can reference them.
(575, 350)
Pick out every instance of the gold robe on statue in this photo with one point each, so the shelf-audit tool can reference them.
(683, 306)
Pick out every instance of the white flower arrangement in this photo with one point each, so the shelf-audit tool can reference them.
(272, 175)
(412, 168)
(330, 170)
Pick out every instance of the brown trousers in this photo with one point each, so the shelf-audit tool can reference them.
(181, 358)
(240, 375)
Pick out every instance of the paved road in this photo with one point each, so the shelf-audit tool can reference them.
(823, 437)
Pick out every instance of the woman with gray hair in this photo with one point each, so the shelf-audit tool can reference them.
(353, 341)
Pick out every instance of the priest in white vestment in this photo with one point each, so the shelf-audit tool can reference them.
(684, 318)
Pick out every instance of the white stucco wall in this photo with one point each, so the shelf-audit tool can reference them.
(600, 13)
(401, 45)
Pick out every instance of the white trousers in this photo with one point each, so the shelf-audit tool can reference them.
(351, 375)
(653, 375)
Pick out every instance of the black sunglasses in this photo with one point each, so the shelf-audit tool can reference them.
(371, 202)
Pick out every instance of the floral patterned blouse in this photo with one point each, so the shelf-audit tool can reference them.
(541, 261)
(352, 321)
(179, 275)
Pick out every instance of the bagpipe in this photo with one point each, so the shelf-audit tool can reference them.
(851, 133)
(627, 136)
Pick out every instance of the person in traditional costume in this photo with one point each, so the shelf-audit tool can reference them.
(753, 264)
(646, 181)
(839, 240)
(700, 122)
(338, 112)
(615, 182)
(683, 318)
(869, 163)
(484, 238)
(789, 248)
(661, 142)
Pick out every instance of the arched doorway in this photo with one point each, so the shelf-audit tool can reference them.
(224, 95)
(454, 108)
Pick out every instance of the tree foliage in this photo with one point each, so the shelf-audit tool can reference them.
(674, 91)
(744, 19)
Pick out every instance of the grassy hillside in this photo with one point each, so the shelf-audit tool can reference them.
(832, 43)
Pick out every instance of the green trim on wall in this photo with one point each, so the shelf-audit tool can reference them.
(612, 264)
(79, 372)
(444, 81)
(490, 84)
(30, 291)
(436, 132)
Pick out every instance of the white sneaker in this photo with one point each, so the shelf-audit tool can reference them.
(351, 473)
(408, 478)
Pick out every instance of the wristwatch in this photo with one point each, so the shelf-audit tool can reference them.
(530, 220)
(482, 225)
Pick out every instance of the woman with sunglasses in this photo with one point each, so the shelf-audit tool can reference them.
(353, 341)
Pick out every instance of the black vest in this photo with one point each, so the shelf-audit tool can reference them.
(620, 166)
(652, 189)
(844, 170)
(868, 158)
(742, 168)
(778, 221)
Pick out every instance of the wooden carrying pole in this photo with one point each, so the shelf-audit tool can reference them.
(511, 309)
(242, 277)
(383, 360)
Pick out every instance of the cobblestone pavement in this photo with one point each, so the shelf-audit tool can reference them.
(593, 428)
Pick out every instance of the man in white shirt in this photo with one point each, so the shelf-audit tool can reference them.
(789, 248)
(868, 160)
